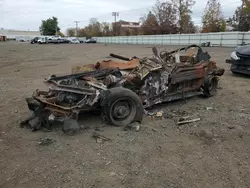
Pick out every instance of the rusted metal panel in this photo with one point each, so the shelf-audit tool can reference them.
(107, 64)
(187, 76)
(111, 64)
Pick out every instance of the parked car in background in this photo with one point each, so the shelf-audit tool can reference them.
(64, 40)
(240, 60)
(22, 40)
(90, 41)
(42, 40)
(81, 40)
(74, 41)
(55, 40)
(34, 40)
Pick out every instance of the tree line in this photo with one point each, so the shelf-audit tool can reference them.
(166, 17)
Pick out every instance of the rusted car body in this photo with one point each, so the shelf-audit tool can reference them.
(123, 91)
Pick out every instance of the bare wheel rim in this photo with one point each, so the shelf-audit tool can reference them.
(123, 110)
(213, 85)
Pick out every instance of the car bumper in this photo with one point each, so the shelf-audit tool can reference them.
(238, 62)
(242, 69)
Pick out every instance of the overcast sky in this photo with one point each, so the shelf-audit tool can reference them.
(27, 14)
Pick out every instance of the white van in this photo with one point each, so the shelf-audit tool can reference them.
(42, 40)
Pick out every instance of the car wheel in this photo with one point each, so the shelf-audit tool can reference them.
(122, 107)
(210, 86)
(234, 72)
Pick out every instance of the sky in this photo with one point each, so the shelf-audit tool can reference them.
(27, 14)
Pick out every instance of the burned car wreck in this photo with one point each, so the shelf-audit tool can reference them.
(123, 90)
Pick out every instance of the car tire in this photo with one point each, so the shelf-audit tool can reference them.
(122, 107)
(234, 72)
(210, 86)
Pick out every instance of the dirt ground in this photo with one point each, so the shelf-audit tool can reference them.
(213, 152)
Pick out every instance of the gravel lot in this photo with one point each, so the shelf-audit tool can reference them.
(213, 152)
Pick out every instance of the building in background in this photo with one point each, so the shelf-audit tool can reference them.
(125, 28)
(19, 34)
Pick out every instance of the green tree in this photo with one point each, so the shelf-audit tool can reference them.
(60, 34)
(212, 19)
(241, 18)
(49, 27)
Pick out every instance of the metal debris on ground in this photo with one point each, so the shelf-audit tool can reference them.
(209, 108)
(173, 114)
(123, 88)
(158, 115)
(186, 120)
(100, 138)
(45, 141)
(133, 126)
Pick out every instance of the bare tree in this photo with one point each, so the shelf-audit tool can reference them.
(166, 16)
(183, 12)
(93, 29)
(92, 21)
(82, 33)
(71, 32)
(149, 25)
(105, 29)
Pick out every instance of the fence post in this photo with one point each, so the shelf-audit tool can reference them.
(221, 38)
(179, 39)
(243, 38)
(237, 40)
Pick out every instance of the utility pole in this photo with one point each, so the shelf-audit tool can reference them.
(76, 28)
(180, 13)
(56, 30)
(115, 14)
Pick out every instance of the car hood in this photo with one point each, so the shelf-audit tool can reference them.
(244, 50)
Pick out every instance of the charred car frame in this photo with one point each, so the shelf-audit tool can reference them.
(123, 91)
